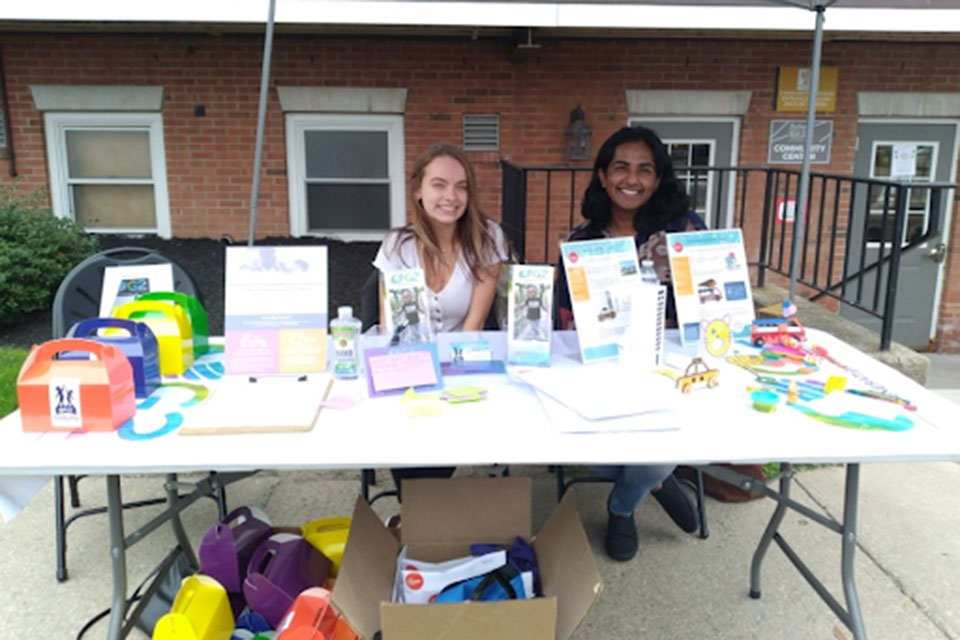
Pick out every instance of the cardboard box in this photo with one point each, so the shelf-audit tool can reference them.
(441, 519)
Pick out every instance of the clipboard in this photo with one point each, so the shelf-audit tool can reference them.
(273, 404)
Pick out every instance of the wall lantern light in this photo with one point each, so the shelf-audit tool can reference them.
(578, 136)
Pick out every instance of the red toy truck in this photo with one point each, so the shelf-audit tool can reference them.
(776, 330)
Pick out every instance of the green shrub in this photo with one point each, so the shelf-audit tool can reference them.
(36, 251)
(10, 361)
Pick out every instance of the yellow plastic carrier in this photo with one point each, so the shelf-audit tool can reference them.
(201, 611)
(329, 536)
(171, 325)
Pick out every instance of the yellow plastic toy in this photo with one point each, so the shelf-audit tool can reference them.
(171, 325)
(201, 611)
(329, 536)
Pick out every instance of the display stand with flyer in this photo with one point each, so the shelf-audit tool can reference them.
(529, 311)
(275, 321)
(617, 315)
(406, 307)
(275, 310)
(123, 284)
(710, 282)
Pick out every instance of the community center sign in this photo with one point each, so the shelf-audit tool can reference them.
(787, 137)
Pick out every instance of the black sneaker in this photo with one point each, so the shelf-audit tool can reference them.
(677, 504)
(621, 542)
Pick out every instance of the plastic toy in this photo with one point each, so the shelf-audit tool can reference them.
(227, 547)
(195, 312)
(171, 326)
(200, 611)
(884, 397)
(139, 345)
(75, 395)
(281, 568)
(696, 372)
(858, 420)
(329, 536)
(776, 331)
(311, 618)
(835, 383)
(764, 401)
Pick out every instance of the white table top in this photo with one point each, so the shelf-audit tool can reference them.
(511, 427)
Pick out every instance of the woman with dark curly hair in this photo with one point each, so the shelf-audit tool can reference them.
(634, 193)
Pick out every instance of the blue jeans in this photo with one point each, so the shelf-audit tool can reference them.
(631, 484)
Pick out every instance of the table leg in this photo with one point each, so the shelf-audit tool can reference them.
(770, 531)
(848, 550)
(173, 497)
(118, 557)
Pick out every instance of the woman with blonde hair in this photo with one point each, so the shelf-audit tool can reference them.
(459, 249)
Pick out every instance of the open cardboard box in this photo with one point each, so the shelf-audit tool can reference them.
(441, 519)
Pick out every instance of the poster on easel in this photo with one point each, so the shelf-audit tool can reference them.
(710, 281)
(275, 310)
(600, 276)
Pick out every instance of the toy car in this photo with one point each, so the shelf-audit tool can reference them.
(697, 371)
(776, 331)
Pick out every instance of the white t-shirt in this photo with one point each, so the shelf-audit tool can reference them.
(449, 307)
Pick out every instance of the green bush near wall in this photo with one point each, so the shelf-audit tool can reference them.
(10, 360)
(36, 251)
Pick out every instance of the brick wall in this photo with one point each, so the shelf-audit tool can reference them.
(209, 159)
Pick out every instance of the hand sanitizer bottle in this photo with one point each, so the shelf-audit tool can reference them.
(345, 330)
(648, 273)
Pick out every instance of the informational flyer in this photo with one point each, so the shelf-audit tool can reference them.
(710, 281)
(600, 277)
(407, 307)
(275, 310)
(123, 284)
(529, 311)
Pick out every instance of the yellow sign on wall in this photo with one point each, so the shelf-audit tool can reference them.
(793, 89)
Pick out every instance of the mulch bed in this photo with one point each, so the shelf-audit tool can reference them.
(349, 265)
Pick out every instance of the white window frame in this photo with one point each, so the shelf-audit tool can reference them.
(57, 125)
(711, 183)
(297, 124)
(934, 158)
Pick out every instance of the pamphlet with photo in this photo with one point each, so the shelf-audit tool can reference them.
(529, 311)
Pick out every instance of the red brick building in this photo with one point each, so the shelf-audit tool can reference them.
(147, 124)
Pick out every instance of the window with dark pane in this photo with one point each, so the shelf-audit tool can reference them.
(346, 154)
(348, 180)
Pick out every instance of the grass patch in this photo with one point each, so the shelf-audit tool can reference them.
(10, 360)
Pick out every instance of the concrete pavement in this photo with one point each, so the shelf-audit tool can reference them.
(679, 586)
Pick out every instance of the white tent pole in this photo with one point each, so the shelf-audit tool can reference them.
(799, 219)
(261, 122)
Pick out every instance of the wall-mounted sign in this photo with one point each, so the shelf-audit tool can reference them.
(787, 138)
(793, 89)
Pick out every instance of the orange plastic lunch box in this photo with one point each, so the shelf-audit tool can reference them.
(75, 395)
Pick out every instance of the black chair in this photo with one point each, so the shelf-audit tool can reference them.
(78, 298)
(696, 485)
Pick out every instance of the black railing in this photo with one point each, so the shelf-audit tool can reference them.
(856, 265)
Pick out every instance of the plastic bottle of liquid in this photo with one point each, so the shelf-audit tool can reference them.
(648, 274)
(345, 330)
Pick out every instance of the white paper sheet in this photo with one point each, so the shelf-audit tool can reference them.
(607, 390)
